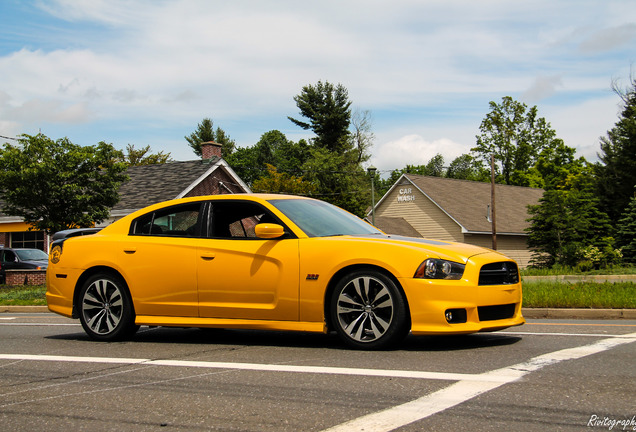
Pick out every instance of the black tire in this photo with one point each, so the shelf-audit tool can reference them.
(105, 308)
(368, 311)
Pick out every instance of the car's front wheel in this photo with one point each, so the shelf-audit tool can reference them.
(106, 310)
(368, 310)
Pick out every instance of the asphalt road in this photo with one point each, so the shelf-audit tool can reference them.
(559, 375)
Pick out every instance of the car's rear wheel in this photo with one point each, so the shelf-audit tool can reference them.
(106, 310)
(368, 310)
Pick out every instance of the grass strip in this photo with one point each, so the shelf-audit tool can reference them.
(23, 295)
(561, 270)
(550, 294)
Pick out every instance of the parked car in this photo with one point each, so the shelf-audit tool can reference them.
(21, 258)
(275, 262)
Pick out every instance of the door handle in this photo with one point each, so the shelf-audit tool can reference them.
(208, 256)
(130, 250)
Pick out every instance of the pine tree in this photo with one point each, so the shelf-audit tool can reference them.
(205, 132)
(328, 110)
(617, 172)
(626, 233)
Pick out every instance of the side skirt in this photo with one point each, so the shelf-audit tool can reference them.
(163, 321)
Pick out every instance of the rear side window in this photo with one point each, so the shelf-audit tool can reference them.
(177, 221)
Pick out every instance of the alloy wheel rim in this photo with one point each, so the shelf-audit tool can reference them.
(102, 306)
(365, 309)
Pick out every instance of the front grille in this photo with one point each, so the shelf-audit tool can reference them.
(499, 273)
(492, 313)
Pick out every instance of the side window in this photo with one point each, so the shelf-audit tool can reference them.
(9, 256)
(177, 221)
(237, 219)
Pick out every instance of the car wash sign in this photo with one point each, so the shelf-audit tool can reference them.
(405, 195)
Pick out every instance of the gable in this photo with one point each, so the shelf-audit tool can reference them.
(467, 202)
(150, 184)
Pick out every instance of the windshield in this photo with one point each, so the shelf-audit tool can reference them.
(31, 255)
(320, 219)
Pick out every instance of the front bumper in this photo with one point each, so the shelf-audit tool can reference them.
(474, 308)
(60, 288)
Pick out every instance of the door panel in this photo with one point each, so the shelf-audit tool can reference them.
(248, 279)
(160, 260)
(161, 274)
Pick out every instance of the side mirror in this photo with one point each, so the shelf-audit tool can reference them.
(269, 230)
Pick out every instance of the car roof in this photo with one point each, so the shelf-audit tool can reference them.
(225, 197)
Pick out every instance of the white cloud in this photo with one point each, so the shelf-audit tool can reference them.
(413, 150)
(609, 38)
(541, 88)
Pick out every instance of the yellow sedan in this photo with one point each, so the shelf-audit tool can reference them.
(275, 262)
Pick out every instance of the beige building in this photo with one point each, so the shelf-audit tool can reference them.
(458, 210)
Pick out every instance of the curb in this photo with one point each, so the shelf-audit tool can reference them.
(532, 313)
(588, 314)
(24, 309)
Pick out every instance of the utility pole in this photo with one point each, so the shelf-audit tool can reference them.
(372, 170)
(493, 219)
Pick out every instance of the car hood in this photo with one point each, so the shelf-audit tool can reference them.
(443, 249)
(43, 264)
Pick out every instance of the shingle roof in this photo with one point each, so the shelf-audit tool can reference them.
(467, 202)
(151, 184)
(396, 225)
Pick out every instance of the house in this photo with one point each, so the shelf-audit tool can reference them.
(459, 210)
(147, 184)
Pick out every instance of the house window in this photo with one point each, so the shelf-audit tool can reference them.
(28, 239)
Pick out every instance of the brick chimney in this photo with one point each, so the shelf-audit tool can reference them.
(210, 149)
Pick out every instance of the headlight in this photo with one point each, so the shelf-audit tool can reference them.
(440, 269)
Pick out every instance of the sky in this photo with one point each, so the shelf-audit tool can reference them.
(146, 72)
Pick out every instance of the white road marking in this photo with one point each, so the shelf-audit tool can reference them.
(596, 335)
(7, 318)
(385, 373)
(39, 324)
(455, 394)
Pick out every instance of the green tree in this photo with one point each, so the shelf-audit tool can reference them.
(275, 149)
(334, 160)
(435, 166)
(339, 179)
(205, 132)
(243, 162)
(56, 185)
(515, 135)
(617, 170)
(568, 220)
(141, 156)
(626, 232)
(467, 167)
(563, 224)
(555, 166)
(275, 182)
(250, 163)
(328, 112)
